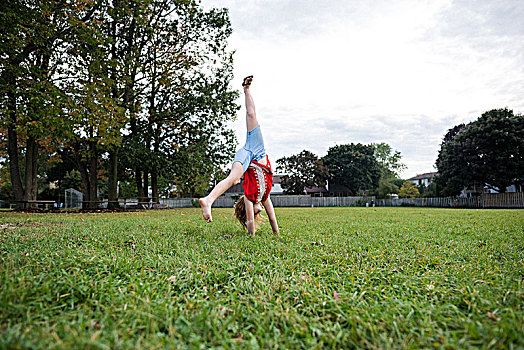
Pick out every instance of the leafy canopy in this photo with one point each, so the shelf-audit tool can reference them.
(408, 190)
(302, 170)
(353, 166)
(488, 152)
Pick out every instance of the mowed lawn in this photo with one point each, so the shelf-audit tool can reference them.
(334, 278)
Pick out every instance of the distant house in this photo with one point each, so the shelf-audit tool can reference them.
(316, 191)
(423, 179)
(277, 187)
(312, 191)
(336, 190)
(474, 190)
(471, 191)
(512, 188)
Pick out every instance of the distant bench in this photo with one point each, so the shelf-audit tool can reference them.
(133, 204)
(142, 204)
(44, 203)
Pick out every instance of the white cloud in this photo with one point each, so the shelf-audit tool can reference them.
(401, 72)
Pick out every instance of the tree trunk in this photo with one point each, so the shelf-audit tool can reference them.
(146, 185)
(154, 171)
(12, 151)
(154, 186)
(31, 155)
(82, 168)
(112, 195)
(151, 132)
(93, 176)
(31, 166)
(139, 185)
(14, 168)
(88, 168)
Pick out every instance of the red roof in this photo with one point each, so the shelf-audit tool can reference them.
(424, 176)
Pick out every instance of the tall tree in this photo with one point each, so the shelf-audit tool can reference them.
(92, 116)
(353, 166)
(77, 75)
(31, 53)
(453, 175)
(127, 25)
(390, 164)
(185, 100)
(302, 170)
(388, 159)
(486, 152)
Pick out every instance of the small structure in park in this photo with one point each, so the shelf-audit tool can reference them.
(73, 199)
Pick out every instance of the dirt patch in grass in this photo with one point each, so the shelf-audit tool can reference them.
(12, 229)
(8, 226)
(56, 211)
(15, 225)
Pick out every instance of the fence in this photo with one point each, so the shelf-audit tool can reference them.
(177, 203)
(503, 200)
(487, 200)
(221, 202)
(473, 202)
(280, 201)
(308, 201)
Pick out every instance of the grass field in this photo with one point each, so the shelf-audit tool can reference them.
(333, 278)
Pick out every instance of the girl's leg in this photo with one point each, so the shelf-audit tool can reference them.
(251, 117)
(257, 141)
(232, 179)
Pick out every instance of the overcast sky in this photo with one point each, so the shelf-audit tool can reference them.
(400, 72)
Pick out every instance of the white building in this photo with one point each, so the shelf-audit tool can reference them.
(423, 179)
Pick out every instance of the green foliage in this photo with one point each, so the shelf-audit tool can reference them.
(334, 278)
(34, 46)
(79, 75)
(397, 182)
(390, 166)
(353, 166)
(193, 171)
(302, 170)
(72, 179)
(127, 190)
(408, 190)
(166, 186)
(6, 190)
(183, 96)
(386, 188)
(485, 152)
(388, 159)
(57, 169)
(429, 191)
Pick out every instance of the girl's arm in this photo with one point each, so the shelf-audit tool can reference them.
(250, 216)
(251, 116)
(270, 211)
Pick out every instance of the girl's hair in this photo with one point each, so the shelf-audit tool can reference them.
(240, 213)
